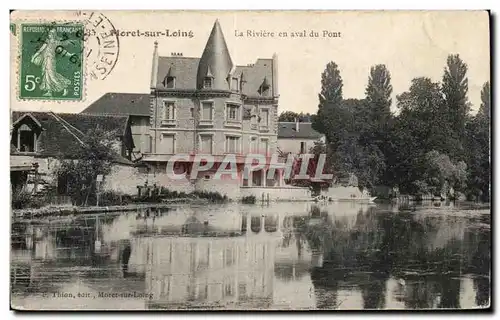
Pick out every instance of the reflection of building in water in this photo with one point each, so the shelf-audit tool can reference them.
(207, 271)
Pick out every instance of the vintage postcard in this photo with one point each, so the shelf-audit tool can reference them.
(250, 160)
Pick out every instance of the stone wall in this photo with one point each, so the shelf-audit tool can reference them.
(125, 179)
(286, 193)
(225, 186)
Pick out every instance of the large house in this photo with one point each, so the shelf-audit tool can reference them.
(209, 105)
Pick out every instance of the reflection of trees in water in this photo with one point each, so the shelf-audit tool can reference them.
(421, 294)
(373, 291)
(482, 287)
(419, 251)
(481, 267)
(450, 292)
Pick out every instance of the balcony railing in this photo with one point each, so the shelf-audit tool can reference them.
(206, 123)
(264, 127)
(232, 123)
(169, 122)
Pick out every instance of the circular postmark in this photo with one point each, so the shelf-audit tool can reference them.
(102, 43)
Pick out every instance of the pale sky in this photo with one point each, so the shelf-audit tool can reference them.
(410, 44)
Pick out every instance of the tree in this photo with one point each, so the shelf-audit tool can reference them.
(379, 117)
(378, 93)
(455, 88)
(93, 158)
(290, 116)
(441, 173)
(330, 99)
(478, 148)
(416, 132)
(485, 108)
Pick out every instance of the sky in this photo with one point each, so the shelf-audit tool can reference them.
(410, 43)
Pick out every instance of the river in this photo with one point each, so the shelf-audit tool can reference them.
(343, 256)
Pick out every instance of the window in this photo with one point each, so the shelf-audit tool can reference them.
(207, 83)
(228, 289)
(203, 291)
(206, 111)
(168, 112)
(265, 145)
(232, 144)
(206, 144)
(26, 139)
(242, 290)
(234, 84)
(192, 112)
(264, 117)
(232, 112)
(170, 82)
(229, 257)
(203, 258)
(302, 147)
(254, 145)
(62, 185)
(167, 144)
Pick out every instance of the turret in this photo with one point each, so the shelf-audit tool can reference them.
(215, 62)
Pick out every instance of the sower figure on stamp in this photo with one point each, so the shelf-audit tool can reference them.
(52, 81)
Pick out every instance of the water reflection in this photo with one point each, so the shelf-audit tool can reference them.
(281, 256)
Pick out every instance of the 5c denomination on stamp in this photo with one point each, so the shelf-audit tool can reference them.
(51, 66)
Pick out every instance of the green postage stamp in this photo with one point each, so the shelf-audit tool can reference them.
(51, 66)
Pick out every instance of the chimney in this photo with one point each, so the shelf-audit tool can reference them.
(297, 124)
(275, 75)
(154, 67)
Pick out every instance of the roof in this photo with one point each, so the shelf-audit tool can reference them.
(113, 103)
(86, 122)
(56, 139)
(63, 133)
(185, 72)
(287, 130)
(216, 62)
(255, 75)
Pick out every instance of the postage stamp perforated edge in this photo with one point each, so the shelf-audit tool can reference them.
(17, 23)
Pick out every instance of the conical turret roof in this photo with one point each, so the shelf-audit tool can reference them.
(215, 60)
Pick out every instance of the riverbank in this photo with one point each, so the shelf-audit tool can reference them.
(53, 211)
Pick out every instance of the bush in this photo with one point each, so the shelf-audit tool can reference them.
(212, 196)
(158, 194)
(22, 199)
(111, 198)
(249, 200)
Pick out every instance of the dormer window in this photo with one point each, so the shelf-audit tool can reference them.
(25, 133)
(207, 83)
(170, 82)
(235, 84)
(264, 88)
(26, 139)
